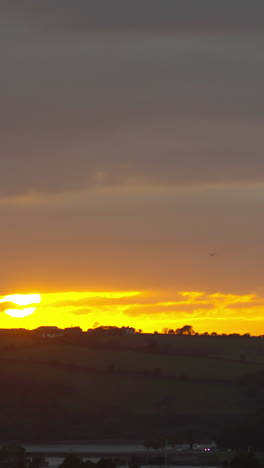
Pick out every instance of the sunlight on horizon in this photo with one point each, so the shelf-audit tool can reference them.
(223, 312)
(50, 304)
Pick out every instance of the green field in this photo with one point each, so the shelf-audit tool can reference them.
(130, 387)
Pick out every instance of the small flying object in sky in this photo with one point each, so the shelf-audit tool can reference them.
(212, 254)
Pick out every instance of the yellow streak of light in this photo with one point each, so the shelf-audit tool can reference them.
(51, 298)
(192, 294)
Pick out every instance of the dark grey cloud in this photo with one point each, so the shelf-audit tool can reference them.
(82, 16)
(82, 110)
(166, 110)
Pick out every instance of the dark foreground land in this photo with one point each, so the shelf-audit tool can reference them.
(142, 387)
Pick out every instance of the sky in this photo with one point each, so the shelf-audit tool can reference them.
(131, 147)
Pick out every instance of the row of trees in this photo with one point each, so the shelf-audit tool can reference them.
(188, 330)
(112, 331)
(74, 461)
(15, 456)
(121, 331)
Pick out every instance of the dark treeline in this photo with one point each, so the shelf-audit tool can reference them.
(114, 331)
(15, 456)
(74, 461)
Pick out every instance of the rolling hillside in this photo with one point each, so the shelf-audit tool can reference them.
(138, 386)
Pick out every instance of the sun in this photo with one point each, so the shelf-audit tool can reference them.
(21, 300)
(16, 313)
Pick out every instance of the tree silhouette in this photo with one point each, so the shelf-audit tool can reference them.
(186, 330)
(71, 461)
(13, 456)
(105, 463)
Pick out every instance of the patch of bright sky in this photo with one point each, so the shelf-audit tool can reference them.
(227, 313)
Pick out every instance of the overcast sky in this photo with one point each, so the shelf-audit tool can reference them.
(131, 145)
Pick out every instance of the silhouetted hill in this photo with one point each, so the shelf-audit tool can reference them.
(133, 386)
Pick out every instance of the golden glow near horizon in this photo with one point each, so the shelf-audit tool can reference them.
(148, 310)
(54, 306)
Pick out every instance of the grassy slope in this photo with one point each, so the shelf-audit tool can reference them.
(146, 377)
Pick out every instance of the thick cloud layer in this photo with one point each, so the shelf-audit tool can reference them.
(81, 110)
(121, 14)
